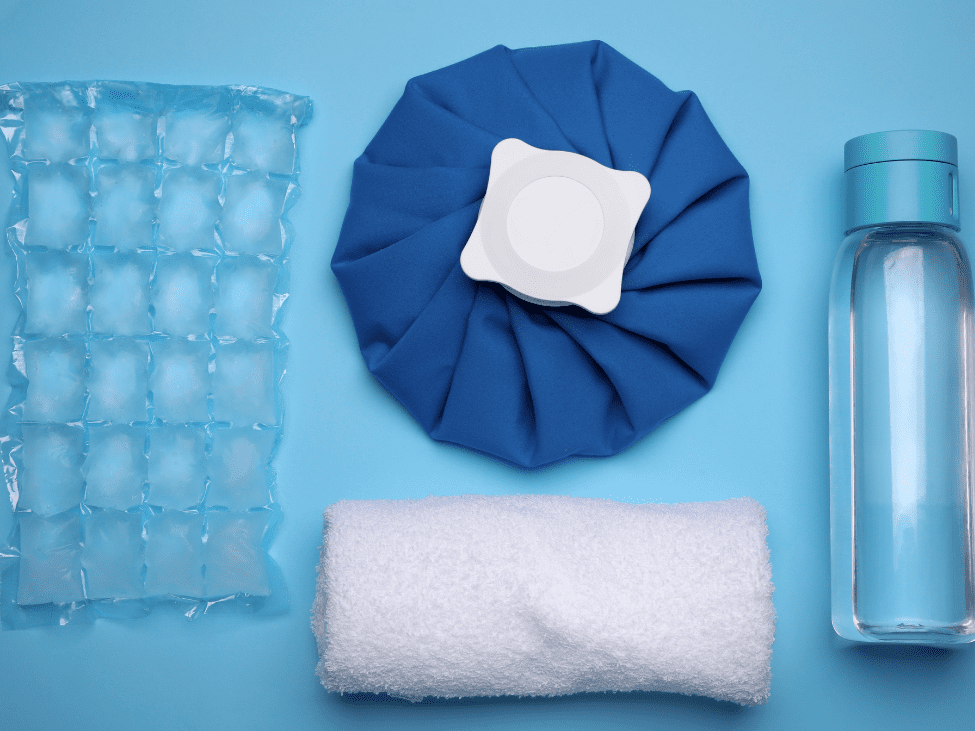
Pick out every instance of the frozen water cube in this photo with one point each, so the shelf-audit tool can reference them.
(252, 210)
(56, 380)
(50, 564)
(6, 178)
(125, 206)
(174, 554)
(177, 466)
(116, 468)
(235, 561)
(180, 379)
(243, 383)
(51, 480)
(118, 382)
(125, 121)
(264, 139)
(245, 297)
(112, 556)
(238, 467)
(57, 123)
(189, 209)
(182, 294)
(120, 293)
(57, 205)
(57, 293)
(197, 126)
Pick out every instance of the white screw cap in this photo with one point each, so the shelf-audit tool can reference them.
(555, 228)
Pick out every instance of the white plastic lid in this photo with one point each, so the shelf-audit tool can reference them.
(555, 228)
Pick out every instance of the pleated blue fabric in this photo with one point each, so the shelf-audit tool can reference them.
(530, 384)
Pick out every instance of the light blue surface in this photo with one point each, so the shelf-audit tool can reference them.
(786, 84)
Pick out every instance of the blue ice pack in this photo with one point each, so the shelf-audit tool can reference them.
(149, 225)
(531, 383)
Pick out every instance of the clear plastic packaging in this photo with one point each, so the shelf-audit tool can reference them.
(149, 225)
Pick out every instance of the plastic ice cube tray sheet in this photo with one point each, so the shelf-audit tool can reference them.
(149, 225)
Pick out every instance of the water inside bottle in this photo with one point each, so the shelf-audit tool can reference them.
(910, 326)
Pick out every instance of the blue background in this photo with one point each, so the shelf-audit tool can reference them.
(786, 84)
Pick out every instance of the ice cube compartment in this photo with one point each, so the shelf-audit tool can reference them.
(149, 224)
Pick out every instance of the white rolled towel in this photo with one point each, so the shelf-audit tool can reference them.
(536, 595)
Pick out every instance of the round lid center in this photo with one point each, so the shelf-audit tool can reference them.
(555, 224)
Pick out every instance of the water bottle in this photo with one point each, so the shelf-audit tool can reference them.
(900, 397)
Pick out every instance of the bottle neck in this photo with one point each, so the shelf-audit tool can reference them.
(905, 226)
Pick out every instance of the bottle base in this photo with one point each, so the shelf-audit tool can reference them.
(906, 633)
(917, 634)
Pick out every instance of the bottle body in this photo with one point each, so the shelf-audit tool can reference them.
(901, 493)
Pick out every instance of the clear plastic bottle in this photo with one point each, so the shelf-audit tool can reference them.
(900, 378)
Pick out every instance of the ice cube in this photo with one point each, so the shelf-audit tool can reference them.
(113, 555)
(235, 561)
(6, 179)
(174, 554)
(57, 205)
(57, 287)
(252, 210)
(125, 206)
(264, 138)
(50, 564)
(189, 209)
(51, 480)
(125, 121)
(197, 126)
(182, 294)
(56, 379)
(120, 293)
(180, 379)
(238, 467)
(57, 122)
(116, 468)
(245, 297)
(243, 383)
(118, 380)
(177, 466)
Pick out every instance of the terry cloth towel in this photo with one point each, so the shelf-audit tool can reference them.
(536, 595)
(478, 366)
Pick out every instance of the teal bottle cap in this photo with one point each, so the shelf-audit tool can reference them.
(904, 176)
(902, 144)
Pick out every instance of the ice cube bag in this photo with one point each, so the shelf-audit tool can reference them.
(149, 225)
